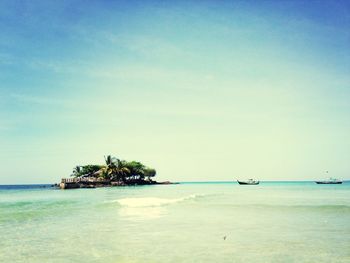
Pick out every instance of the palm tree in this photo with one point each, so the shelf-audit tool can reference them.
(115, 169)
(122, 171)
(76, 171)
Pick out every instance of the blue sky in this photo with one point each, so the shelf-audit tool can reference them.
(200, 90)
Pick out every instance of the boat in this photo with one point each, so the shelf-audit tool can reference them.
(248, 182)
(330, 181)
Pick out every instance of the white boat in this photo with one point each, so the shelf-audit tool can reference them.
(248, 182)
(330, 181)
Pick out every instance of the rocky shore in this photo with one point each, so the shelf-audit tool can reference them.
(74, 184)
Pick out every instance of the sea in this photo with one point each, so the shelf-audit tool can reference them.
(187, 222)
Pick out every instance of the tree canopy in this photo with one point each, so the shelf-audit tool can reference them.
(116, 170)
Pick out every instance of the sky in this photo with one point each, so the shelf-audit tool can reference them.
(199, 90)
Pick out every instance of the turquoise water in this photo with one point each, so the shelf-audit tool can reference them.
(190, 222)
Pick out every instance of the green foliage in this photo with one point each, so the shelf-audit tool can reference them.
(150, 172)
(76, 171)
(91, 169)
(135, 168)
(116, 170)
(86, 170)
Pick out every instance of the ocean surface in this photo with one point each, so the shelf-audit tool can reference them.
(188, 222)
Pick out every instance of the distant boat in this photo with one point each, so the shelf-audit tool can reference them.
(330, 181)
(248, 182)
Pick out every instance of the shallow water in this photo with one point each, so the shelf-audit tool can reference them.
(190, 222)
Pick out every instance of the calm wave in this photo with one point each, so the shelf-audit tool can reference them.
(190, 222)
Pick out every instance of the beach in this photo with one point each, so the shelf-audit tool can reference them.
(187, 222)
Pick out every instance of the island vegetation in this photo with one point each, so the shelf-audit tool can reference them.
(114, 172)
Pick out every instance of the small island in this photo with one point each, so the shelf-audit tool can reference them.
(114, 172)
